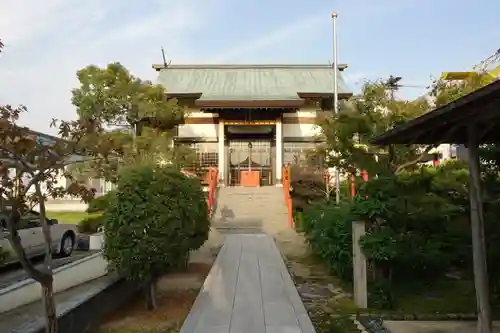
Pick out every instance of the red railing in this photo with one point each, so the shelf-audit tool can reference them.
(212, 185)
(288, 198)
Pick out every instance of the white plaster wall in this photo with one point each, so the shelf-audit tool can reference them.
(198, 130)
(301, 114)
(301, 130)
(198, 114)
(447, 151)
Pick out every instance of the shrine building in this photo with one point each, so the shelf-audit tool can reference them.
(251, 120)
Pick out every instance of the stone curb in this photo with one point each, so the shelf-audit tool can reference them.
(420, 316)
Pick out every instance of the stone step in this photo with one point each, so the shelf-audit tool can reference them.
(250, 210)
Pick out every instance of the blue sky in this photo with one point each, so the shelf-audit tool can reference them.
(47, 41)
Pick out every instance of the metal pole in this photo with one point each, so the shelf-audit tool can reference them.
(335, 96)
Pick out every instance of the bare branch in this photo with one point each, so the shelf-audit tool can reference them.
(415, 161)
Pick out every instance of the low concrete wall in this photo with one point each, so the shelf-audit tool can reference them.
(84, 313)
(65, 277)
(65, 206)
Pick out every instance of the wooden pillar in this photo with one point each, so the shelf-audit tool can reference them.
(477, 228)
(359, 266)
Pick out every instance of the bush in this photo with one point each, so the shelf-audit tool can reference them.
(156, 217)
(90, 224)
(99, 204)
(328, 230)
(415, 225)
(407, 225)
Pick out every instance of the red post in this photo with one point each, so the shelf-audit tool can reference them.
(364, 175)
(353, 186)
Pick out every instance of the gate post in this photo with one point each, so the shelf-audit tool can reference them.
(359, 266)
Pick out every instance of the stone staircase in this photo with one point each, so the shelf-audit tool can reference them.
(250, 210)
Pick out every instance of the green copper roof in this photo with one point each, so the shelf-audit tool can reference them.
(249, 82)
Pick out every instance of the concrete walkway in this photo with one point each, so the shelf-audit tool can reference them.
(248, 290)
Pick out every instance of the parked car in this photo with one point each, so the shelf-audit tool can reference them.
(30, 231)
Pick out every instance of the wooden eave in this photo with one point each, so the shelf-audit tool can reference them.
(232, 104)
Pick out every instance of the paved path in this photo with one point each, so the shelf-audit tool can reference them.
(248, 290)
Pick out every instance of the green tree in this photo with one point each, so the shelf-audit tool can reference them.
(114, 97)
(155, 218)
(363, 117)
(134, 114)
(445, 92)
(27, 162)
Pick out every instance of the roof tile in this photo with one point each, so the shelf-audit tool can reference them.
(250, 82)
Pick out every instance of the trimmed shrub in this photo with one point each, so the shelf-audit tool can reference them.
(90, 224)
(328, 230)
(99, 204)
(156, 217)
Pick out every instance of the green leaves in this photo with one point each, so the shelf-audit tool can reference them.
(113, 96)
(414, 224)
(328, 230)
(156, 218)
(360, 119)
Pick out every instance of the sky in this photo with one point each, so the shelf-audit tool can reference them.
(47, 41)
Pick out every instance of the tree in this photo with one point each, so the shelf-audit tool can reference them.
(154, 219)
(27, 162)
(372, 112)
(136, 113)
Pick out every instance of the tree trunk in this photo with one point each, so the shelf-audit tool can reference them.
(49, 306)
(47, 283)
(151, 294)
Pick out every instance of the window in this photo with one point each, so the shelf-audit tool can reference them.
(207, 154)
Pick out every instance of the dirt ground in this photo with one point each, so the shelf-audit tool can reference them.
(175, 296)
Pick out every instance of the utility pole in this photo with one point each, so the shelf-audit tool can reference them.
(335, 96)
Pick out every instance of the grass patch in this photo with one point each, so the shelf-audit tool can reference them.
(442, 296)
(328, 323)
(70, 217)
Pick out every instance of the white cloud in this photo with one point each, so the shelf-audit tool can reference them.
(48, 41)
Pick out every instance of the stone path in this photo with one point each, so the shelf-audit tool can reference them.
(248, 290)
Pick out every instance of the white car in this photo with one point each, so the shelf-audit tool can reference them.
(30, 230)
